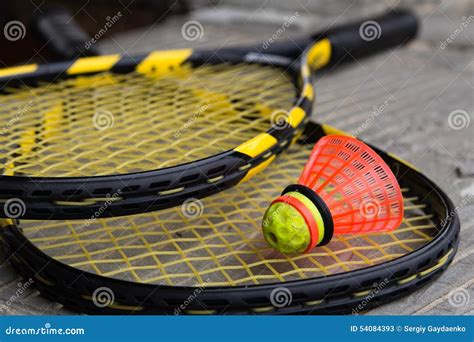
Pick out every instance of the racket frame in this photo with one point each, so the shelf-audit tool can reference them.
(338, 293)
(134, 193)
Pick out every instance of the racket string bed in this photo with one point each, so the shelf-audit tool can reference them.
(215, 248)
(222, 246)
(111, 123)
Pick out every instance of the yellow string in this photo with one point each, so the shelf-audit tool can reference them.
(224, 245)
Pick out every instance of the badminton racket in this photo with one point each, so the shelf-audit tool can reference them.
(116, 135)
(210, 257)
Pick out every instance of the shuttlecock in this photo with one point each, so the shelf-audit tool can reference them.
(345, 188)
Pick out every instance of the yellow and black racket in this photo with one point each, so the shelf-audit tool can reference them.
(117, 135)
(209, 256)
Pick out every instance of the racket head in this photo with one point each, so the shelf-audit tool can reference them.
(186, 124)
(221, 260)
(117, 172)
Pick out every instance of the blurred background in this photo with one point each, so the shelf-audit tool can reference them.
(416, 101)
(151, 24)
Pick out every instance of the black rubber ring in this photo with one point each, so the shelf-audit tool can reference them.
(320, 205)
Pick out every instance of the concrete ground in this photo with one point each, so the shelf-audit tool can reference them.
(422, 83)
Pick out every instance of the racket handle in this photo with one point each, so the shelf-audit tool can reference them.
(354, 40)
(65, 39)
(363, 38)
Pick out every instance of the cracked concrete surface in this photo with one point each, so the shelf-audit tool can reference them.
(422, 84)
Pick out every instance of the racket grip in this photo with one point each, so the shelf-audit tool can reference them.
(63, 36)
(367, 37)
(353, 40)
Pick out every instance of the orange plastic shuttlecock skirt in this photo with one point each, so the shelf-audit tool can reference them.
(345, 188)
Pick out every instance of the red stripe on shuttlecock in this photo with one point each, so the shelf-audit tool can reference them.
(307, 216)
